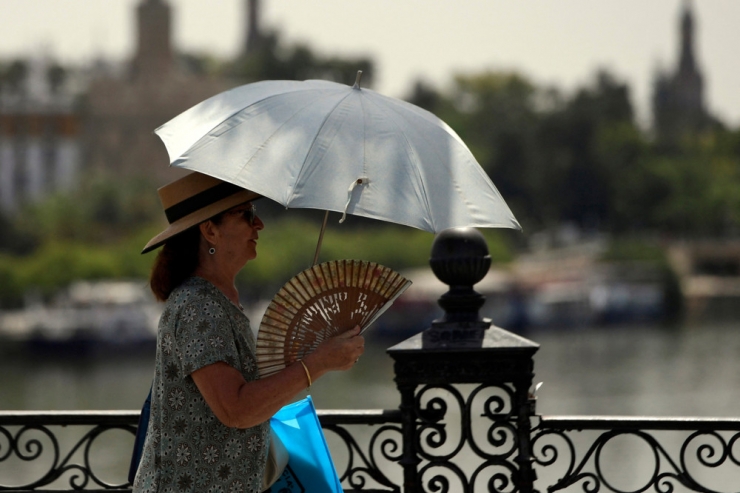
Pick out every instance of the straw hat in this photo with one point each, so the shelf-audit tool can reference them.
(193, 199)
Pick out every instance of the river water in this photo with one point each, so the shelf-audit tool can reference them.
(631, 371)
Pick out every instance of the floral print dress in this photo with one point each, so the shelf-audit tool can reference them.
(187, 448)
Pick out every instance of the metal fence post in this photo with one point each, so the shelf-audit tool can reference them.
(461, 348)
(409, 458)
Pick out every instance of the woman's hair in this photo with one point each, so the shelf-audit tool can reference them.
(176, 261)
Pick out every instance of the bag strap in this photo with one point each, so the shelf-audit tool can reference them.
(140, 437)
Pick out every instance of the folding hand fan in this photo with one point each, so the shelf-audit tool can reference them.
(321, 302)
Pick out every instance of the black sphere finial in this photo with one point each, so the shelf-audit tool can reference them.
(460, 259)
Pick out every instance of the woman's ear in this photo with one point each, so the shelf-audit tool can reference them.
(209, 231)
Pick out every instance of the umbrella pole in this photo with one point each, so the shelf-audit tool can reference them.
(321, 238)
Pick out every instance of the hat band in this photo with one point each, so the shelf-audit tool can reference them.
(200, 200)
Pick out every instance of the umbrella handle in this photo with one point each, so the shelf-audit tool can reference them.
(321, 238)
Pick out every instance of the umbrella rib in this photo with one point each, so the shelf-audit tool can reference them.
(310, 149)
(411, 153)
(302, 109)
(206, 138)
(206, 131)
(443, 127)
(364, 136)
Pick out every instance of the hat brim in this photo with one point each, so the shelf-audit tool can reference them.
(199, 216)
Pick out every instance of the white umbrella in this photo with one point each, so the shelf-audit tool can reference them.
(323, 145)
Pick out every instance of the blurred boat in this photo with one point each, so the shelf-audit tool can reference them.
(563, 290)
(87, 314)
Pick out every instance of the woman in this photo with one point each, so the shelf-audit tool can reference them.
(209, 427)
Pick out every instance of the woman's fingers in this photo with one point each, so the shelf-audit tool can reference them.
(340, 352)
(350, 333)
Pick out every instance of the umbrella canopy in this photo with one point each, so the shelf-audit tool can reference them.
(323, 145)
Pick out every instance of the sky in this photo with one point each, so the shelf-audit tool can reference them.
(560, 43)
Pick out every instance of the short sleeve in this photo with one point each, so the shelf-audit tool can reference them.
(204, 335)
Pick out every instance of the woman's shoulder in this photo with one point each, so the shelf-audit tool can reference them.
(196, 291)
(193, 290)
(194, 298)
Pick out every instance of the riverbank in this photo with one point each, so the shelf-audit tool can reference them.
(588, 284)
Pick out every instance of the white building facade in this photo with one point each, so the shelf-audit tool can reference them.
(39, 138)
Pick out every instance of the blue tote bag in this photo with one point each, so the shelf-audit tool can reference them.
(310, 468)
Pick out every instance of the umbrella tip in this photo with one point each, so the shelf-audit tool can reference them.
(357, 80)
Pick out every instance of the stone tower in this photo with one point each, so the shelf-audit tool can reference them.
(254, 38)
(154, 54)
(678, 100)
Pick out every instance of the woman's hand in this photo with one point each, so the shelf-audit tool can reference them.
(338, 353)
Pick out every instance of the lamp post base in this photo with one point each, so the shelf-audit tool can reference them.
(455, 334)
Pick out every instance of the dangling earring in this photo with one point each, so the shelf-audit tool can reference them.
(211, 250)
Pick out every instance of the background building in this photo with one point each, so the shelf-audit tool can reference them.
(39, 133)
(58, 126)
(678, 101)
(122, 111)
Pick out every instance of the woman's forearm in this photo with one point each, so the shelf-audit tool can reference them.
(241, 404)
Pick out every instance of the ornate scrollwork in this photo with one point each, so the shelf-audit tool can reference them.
(450, 427)
(360, 466)
(498, 409)
(546, 454)
(35, 438)
(23, 445)
(432, 431)
(440, 483)
(683, 454)
(500, 476)
(497, 476)
(701, 452)
(30, 449)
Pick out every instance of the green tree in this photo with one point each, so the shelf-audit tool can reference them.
(277, 61)
(495, 115)
(594, 120)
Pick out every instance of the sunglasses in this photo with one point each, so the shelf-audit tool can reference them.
(249, 214)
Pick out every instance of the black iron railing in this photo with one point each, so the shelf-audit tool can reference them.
(466, 438)
(570, 453)
(61, 448)
(672, 454)
(63, 463)
(366, 465)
